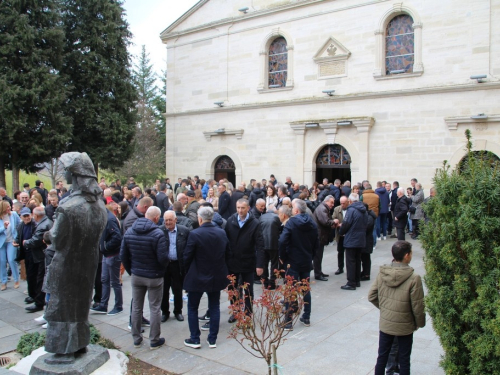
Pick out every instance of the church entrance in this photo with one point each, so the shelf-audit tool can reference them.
(225, 168)
(333, 162)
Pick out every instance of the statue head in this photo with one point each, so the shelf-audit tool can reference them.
(80, 172)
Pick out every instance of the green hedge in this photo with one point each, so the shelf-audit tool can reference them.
(462, 244)
(32, 341)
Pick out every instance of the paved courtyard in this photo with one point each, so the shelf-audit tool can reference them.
(342, 338)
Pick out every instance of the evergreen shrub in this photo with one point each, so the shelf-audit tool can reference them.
(462, 258)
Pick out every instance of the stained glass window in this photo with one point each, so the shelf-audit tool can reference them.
(278, 63)
(399, 45)
(225, 162)
(333, 155)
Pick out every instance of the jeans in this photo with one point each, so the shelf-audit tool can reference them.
(110, 278)
(382, 225)
(393, 361)
(246, 277)
(353, 263)
(154, 288)
(384, 348)
(172, 279)
(214, 313)
(307, 297)
(375, 235)
(7, 254)
(410, 226)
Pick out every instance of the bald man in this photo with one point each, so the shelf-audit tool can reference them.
(176, 236)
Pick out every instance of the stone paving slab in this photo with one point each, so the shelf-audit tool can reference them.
(342, 338)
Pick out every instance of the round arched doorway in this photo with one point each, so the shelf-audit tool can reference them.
(225, 168)
(333, 162)
(485, 156)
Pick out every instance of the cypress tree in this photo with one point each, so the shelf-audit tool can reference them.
(33, 126)
(462, 244)
(97, 65)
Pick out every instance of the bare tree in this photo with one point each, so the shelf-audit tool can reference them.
(53, 170)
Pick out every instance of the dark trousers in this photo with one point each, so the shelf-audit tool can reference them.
(389, 223)
(353, 263)
(384, 348)
(317, 260)
(340, 253)
(244, 278)
(269, 276)
(98, 284)
(414, 224)
(382, 224)
(35, 273)
(401, 234)
(110, 278)
(392, 365)
(366, 264)
(172, 279)
(292, 307)
(214, 310)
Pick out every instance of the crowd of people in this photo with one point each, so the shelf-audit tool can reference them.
(192, 235)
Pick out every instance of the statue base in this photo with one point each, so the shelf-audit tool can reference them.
(83, 363)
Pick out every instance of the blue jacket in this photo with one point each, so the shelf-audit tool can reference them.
(204, 190)
(354, 226)
(111, 237)
(298, 243)
(205, 259)
(384, 199)
(144, 250)
(14, 222)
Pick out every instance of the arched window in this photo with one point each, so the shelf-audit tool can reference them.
(333, 156)
(278, 63)
(399, 45)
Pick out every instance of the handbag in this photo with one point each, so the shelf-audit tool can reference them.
(412, 209)
(20, 255)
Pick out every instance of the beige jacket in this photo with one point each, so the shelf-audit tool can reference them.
(399, 295)
(337, 214)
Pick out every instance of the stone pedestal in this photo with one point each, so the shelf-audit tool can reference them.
(84, 364)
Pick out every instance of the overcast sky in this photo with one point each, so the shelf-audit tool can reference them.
(147, 19)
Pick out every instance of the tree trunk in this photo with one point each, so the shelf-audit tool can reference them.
(54, 164)
(275, 360)
(15, 172)
(2, 172)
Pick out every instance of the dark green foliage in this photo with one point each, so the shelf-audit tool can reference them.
(32, 341)
(33, 126)
(462, 243)
(29, 342)
(97, 66)
(160, 104)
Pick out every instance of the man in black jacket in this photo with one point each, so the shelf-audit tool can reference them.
(176, 236)
(297, 245)
(271, 225)
(394, 199)
(224, 201)
(109, 246)
(235, 197)
(35, 257)
(247, 245)
(137, 212)
(162, 200)
(181, 218)
(25, 230)
(144, 255)
(401, 213)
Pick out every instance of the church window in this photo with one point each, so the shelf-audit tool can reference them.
(399, 45)
(278, 63)
(333, 155)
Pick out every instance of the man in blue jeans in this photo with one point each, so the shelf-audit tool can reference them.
(399, 295)
(109, 246)
(298, 244)
(205, 265)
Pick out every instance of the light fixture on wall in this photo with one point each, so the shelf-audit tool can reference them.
(400, 71)
(220, 104)
(328, 92)
(312, 125)
(480, 116)
(344, 123)
(220, 130)
(479, 78)
(244, 10)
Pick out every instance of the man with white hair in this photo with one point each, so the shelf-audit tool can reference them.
(401, 213)
(144, 254)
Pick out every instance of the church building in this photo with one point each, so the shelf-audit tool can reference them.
(349, 89)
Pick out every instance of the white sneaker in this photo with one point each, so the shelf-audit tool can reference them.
(44, 326)
(378, 238)
(385, 238)
(40, 320)
(374, 247)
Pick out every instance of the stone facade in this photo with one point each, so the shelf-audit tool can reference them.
(401, 125)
